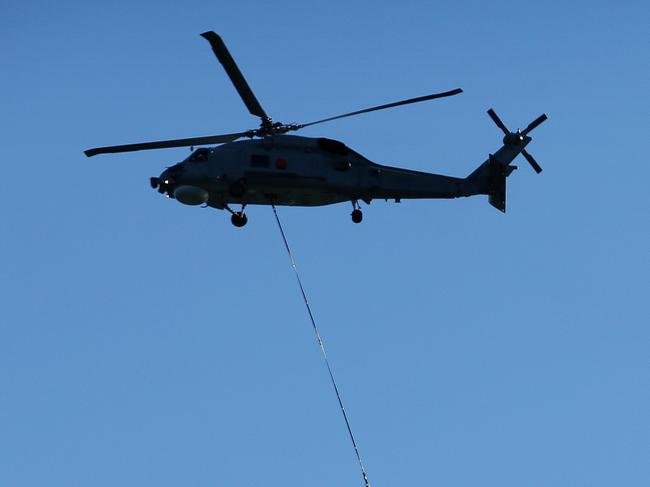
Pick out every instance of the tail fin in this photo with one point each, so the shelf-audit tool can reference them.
(490, 177)
(498, 172)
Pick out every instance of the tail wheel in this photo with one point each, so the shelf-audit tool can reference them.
(357, 216)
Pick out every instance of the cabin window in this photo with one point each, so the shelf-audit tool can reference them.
(259, 160)
(200, 155)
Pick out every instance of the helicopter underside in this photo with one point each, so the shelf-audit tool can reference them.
(297, 193)
(289, 198)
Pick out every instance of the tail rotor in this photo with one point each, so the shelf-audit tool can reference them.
(518, 137)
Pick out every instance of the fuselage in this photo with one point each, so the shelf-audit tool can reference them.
(293, 170)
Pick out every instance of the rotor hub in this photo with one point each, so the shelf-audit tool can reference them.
(513, 138)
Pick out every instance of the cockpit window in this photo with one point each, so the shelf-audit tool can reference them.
(200, 155)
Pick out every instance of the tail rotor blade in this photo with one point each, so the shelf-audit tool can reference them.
(495, 118)
(534, 123)
(531, 160)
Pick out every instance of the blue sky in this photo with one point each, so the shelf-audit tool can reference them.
(147, 343)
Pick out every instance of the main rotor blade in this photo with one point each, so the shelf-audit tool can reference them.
(534, 123)
(495, 118)
(235, 75)
(163, 144)
(531, 160)
(388, 105)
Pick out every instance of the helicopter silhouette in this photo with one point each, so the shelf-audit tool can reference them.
(273, 168)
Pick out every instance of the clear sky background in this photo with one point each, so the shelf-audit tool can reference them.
(143, 342)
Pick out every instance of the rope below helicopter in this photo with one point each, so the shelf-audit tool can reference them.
(322, 347)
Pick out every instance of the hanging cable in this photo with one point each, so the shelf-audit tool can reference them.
(322, 347)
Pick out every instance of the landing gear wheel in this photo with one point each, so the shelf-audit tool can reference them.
(239, 219)
(237, 189)
(357, 216)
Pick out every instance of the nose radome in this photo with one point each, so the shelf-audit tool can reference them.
(191, 195)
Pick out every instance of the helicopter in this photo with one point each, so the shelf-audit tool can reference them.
(273, 168)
